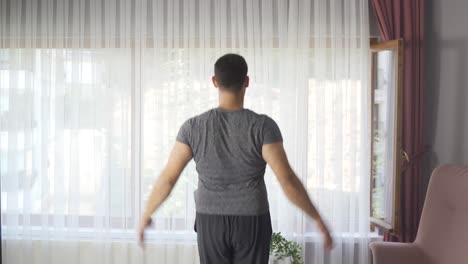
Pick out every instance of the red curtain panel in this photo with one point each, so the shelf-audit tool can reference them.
(404, 19)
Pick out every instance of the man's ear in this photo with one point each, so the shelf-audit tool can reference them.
(246, 81)
(215, 83)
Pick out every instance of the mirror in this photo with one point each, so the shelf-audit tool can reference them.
(386, 134)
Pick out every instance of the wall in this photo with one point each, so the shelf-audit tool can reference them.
(446, 77)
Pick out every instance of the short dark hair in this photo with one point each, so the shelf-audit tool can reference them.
(230, 71)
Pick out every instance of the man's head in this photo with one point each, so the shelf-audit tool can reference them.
(231, 73)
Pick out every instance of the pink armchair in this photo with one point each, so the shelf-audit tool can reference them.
(443, 231)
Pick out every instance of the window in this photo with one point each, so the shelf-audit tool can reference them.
(60, 124)
(386, 134)
(88, 102)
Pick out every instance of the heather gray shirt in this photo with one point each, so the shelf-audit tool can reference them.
(227, 150)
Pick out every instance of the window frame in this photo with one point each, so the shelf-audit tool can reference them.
(397, 46)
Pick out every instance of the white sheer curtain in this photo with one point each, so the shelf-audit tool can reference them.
(93, 93)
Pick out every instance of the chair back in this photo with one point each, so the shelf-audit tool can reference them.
(443, 230)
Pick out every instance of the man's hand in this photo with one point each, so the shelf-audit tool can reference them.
(144, 223)
(327, 239)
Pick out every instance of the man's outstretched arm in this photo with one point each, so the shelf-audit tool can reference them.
(292, 186)
(180, 155)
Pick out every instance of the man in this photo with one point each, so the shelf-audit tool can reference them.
(231, 146)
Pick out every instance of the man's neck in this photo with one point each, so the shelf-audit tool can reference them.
(230, 107)
(229, 101)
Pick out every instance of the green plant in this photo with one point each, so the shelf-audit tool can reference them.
(281, 248)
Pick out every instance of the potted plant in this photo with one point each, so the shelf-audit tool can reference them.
(284, 251)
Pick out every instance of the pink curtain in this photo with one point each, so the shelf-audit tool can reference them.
(404, 19)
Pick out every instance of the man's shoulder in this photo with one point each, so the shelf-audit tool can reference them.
(210, 112)
(261, 116)
(200, 116)
(203, 115)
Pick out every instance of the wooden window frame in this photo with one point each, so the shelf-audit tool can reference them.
(397, 46)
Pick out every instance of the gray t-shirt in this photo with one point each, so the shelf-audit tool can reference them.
(227, 150)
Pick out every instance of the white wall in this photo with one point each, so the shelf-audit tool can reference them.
(446, 76)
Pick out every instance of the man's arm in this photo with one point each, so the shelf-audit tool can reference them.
(292, 186)
(180, 155)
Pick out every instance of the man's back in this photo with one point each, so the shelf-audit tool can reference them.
(227, 150)
(231, 146)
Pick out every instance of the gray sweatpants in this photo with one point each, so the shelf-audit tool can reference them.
(233, 239)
